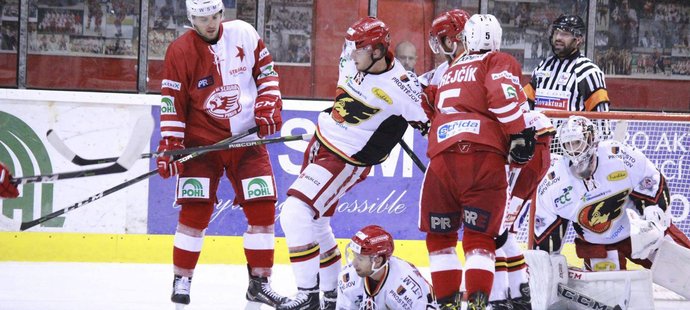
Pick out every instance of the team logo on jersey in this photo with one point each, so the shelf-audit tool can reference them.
(193, 188)
(171, 84)
(382, 95)
(223, 103)
(404, 78)
(598, 216)
(617, 175)
(401, 290)
(167, 105)
(563, 78)
(349, 110)
(204, 82)
(509, 91)
(605, 266)
(615, 150)
(564, 198)
(240, 53)
(411, 285)
(647, 183)
(454, 128)
(258, 187)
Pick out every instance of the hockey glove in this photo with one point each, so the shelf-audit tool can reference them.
(428, 97)
(267, 114)
(522, 146)
(646, 235)
(166, 166)
(7, 189)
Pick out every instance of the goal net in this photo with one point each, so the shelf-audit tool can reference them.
(664, 138)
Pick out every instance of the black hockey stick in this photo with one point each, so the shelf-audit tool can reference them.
(412, 155)
(73, 157)
(228, 141)
(138, 141)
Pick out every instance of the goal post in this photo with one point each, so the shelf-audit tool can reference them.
(663, 137)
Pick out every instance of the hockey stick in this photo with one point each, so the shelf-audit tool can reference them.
(32, 223)
(140, 137)
(412, 155)
(228, 141)
(223, 145)
(579, 298)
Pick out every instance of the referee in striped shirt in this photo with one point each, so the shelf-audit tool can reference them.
(568, 80)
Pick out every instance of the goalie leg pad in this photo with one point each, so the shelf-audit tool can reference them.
(671, 268)
(626, 287)
(546, 271)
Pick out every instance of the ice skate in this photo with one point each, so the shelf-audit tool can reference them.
(180, 292)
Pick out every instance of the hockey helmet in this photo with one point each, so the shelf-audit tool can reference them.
(203, 8)
(448, 24)
(570, 23)
(369, 31)
(482, 33)
(578, 140)
(372, 240)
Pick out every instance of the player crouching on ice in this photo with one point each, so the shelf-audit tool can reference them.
(619, 204)
(375, 279)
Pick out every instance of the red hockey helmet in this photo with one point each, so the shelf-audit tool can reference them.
(448, 24)
(369, 31)
(372, 240)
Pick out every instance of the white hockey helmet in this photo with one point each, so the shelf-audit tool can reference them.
(482, 32)
(203, 8)
(578, 140)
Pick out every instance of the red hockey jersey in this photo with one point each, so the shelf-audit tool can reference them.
(478, 100)
(209, 90)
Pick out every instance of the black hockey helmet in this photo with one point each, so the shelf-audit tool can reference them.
(571, 23)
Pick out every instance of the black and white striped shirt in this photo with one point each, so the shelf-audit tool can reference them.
(573, 83)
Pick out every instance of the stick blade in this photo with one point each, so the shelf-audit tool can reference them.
(59, 145)
(138, 141)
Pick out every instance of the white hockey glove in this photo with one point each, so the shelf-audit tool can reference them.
(645, 235)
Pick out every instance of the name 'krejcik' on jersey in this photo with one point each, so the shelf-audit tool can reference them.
(624, 178)
(208, 89)
(370, 112)
(478, 100)
(402, 288)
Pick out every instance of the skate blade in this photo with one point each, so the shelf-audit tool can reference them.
(180, 306)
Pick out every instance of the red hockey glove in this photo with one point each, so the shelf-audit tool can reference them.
(428, 97)
(7, 189)
(267, 114)
(166, 166)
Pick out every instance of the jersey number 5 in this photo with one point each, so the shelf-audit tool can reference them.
(448, 93)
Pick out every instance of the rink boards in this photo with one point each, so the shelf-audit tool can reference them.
(136, 223)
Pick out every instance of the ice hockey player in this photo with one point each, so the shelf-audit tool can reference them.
(375, 279)
(375, 99)
(219, 82)
(478, 125)
(616, 198)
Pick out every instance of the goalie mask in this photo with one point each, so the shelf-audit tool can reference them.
(577, 138)
(482, 33)
(447, 25)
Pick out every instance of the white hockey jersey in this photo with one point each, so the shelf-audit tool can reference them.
(402, 287)
(370, 112)
(623, 178)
